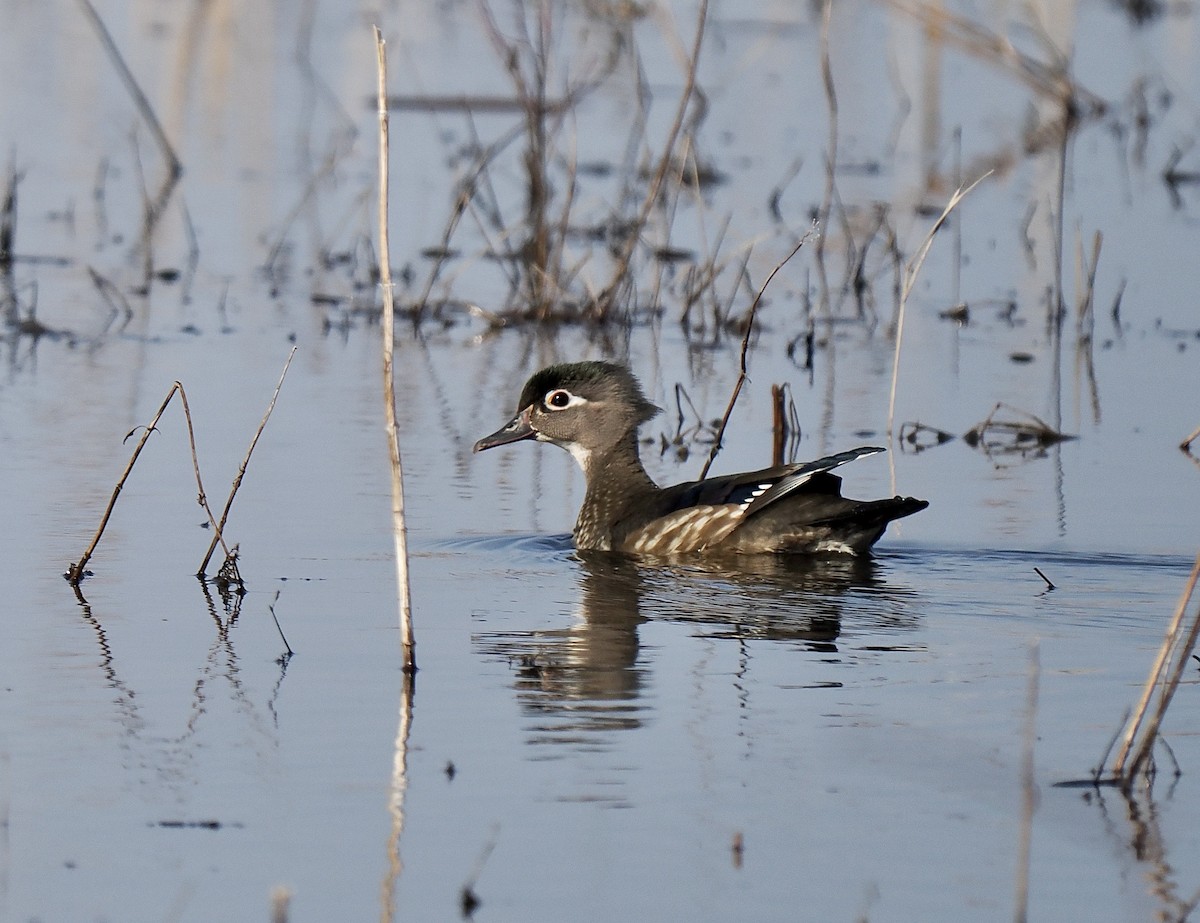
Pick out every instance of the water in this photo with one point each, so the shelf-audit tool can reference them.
(589, 738)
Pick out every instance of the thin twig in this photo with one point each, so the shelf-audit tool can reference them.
(741, 380)
(278, 628)
(399, 529)
(910, 278)
(219, 526)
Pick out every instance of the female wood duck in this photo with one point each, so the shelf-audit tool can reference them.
(594, 409)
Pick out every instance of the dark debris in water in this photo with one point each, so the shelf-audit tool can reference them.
(918, 437)
(1015, 436)
(1023, 435)
(195, 824)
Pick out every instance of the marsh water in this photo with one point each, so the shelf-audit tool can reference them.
(592, 737)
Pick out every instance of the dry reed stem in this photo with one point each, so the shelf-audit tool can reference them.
(1186, 445)
(237, 481)
(399, 528)
(741, 379)
(1141, 747)
(1029, 796)
(910, 278)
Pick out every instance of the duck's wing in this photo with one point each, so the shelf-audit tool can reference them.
(800, 475)
(753, 491)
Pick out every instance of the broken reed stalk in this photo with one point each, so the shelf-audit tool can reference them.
(910, 278)
(741, 380)
(399, 529)
(237, 480)
(1125, 768)
(1186, 445)
(779, 423)
(76, 572)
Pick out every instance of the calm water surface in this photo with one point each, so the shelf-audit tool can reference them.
(590, 737)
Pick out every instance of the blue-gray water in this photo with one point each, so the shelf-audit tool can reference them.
(613, 727)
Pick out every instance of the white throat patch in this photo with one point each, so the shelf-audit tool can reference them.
(580, 454)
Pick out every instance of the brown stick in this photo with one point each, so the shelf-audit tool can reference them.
(399, 529)
(779, 424)
(741, 380)
(219, 527)
(75, 572)
(1186, 445)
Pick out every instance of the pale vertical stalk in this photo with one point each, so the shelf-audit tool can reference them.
(399, 530)
(910, 279)
(395, 863)
(1028, 789)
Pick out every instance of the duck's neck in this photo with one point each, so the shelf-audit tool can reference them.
(616, 485)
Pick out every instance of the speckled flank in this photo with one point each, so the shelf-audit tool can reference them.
(684, 531)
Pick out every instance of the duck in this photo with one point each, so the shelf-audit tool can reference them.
(593, 409)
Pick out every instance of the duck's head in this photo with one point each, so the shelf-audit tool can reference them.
(588, 408)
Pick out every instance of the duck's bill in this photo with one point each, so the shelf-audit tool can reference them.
(514, 430)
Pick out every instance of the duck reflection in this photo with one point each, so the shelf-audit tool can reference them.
(589, 676)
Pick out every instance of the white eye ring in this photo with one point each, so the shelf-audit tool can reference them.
(561, 399)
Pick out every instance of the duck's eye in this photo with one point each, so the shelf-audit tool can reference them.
(557, 400)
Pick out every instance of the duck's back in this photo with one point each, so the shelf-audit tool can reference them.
(790, 509)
